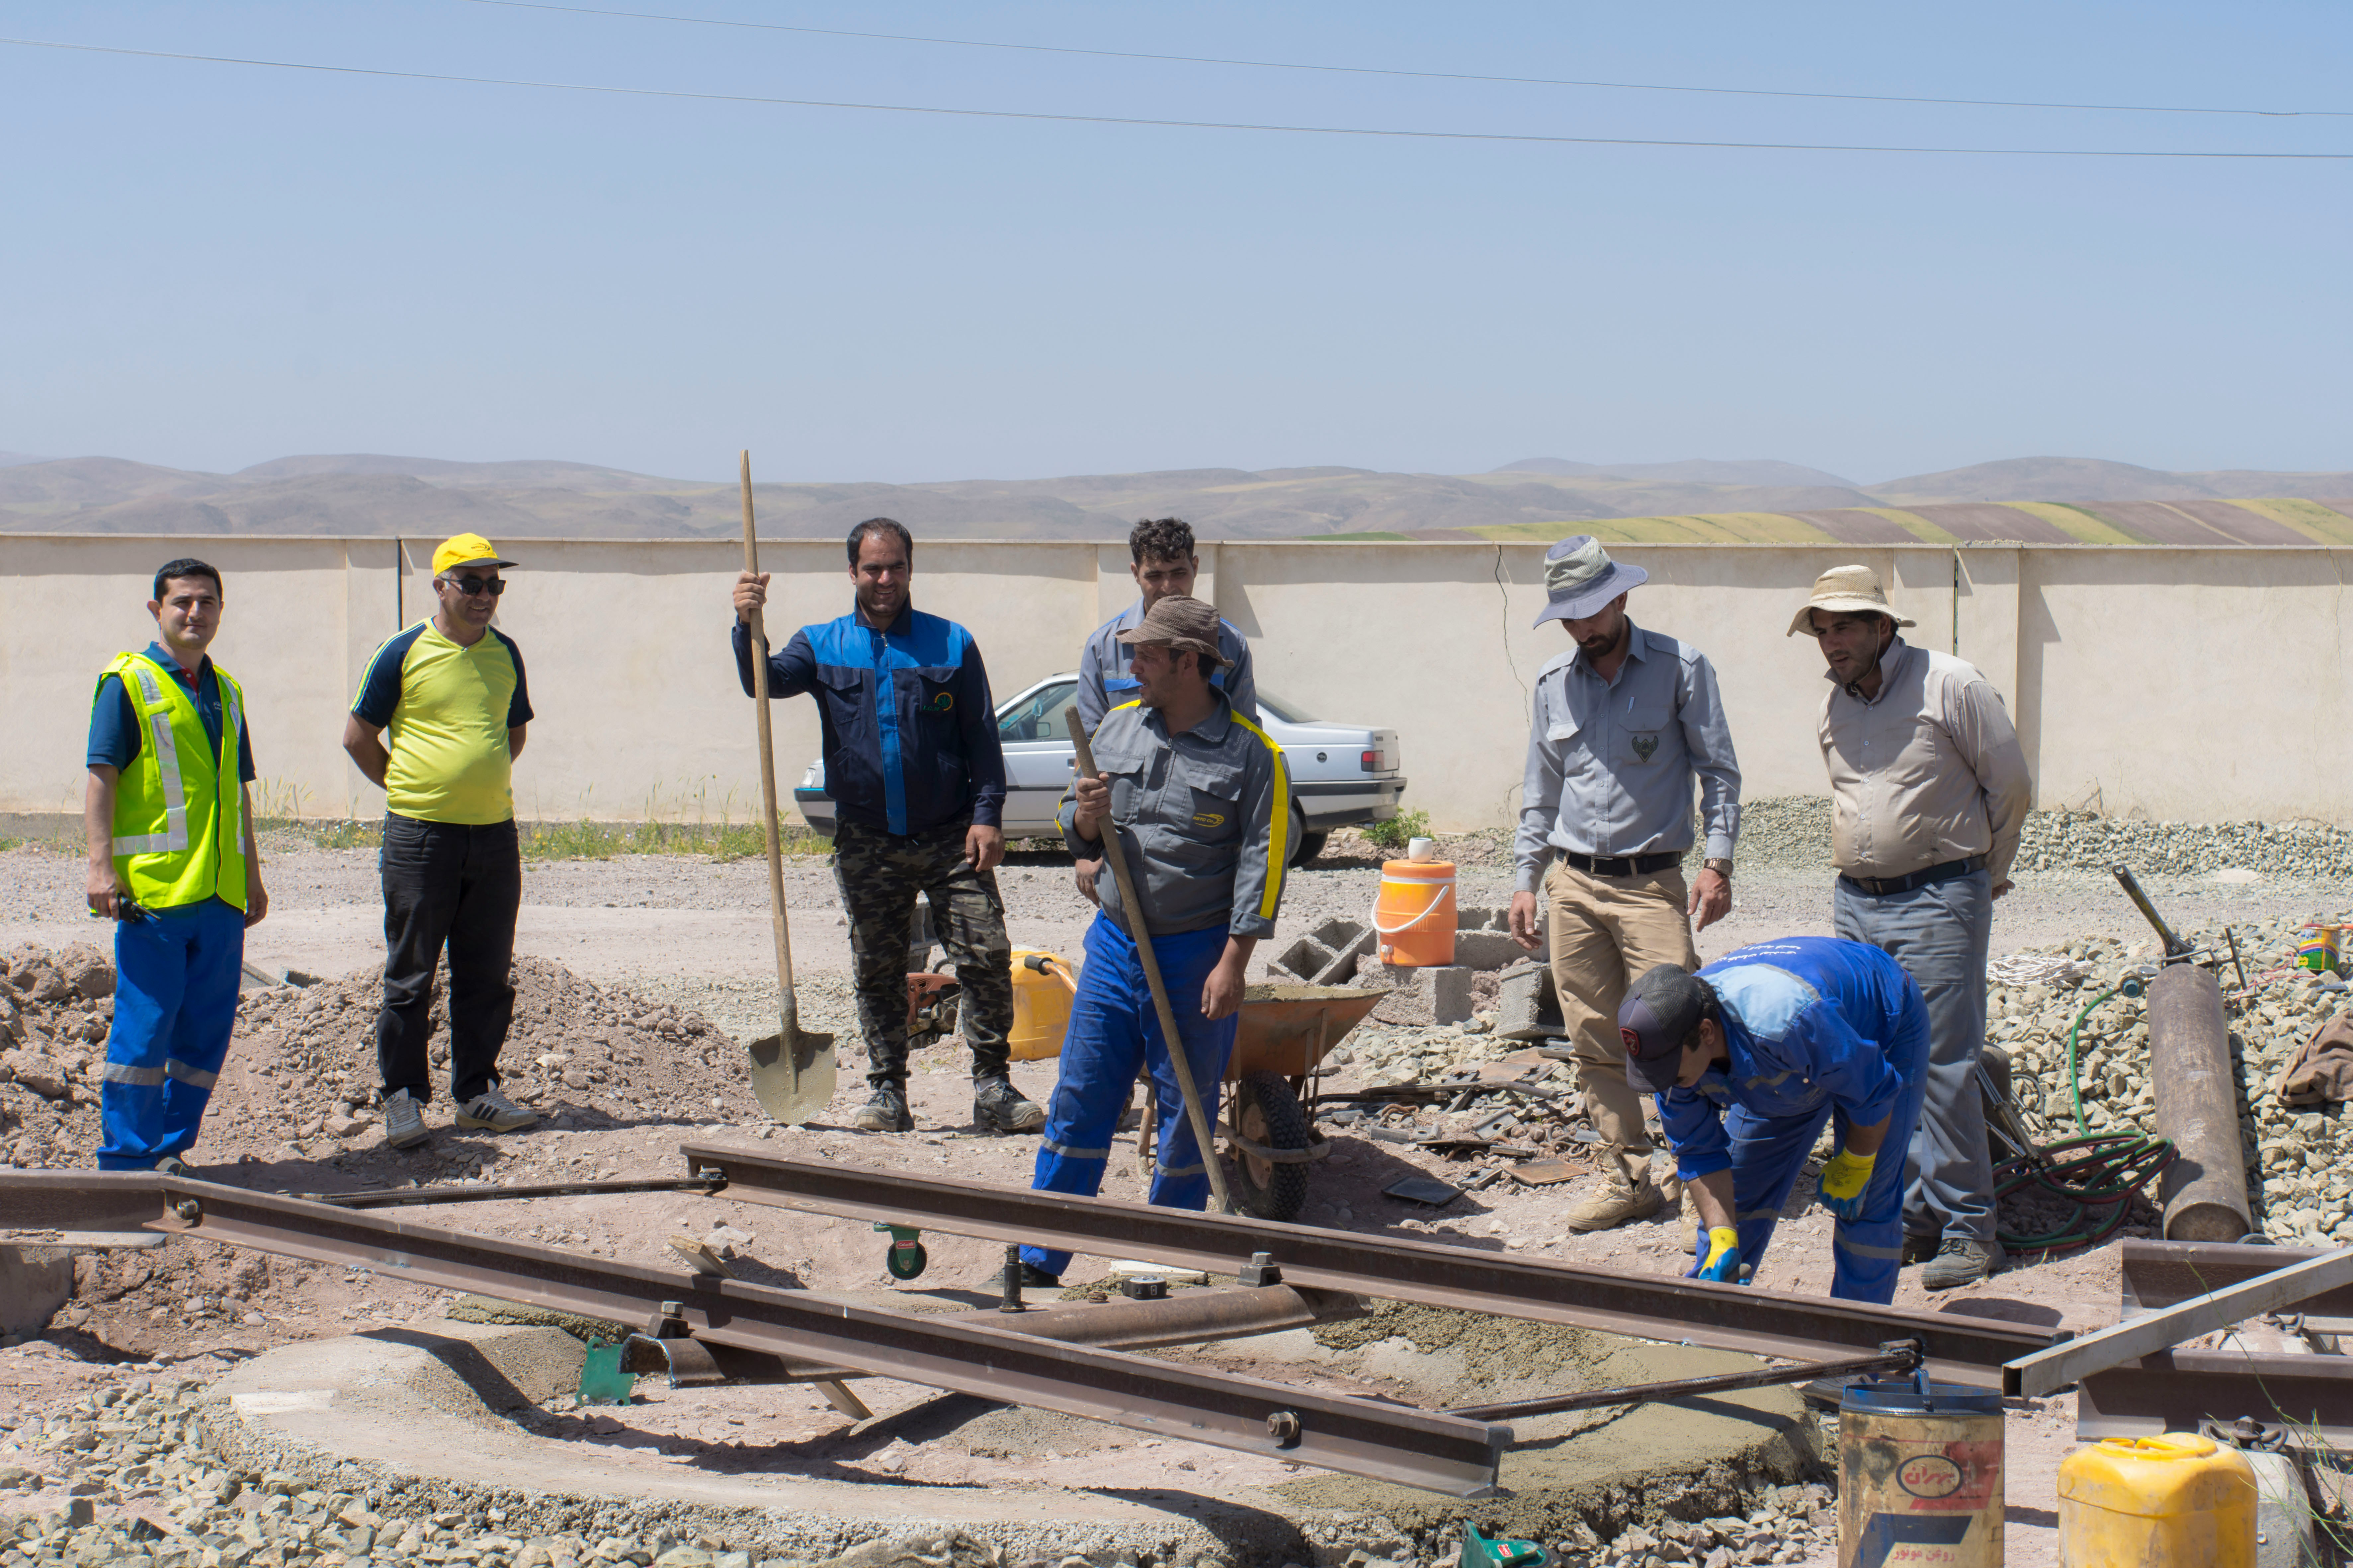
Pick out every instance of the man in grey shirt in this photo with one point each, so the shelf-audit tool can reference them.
(1929, 791)
(1163, 562)
(1624, 723)
(1199, 798)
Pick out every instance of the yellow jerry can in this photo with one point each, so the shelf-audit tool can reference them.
(1042, 987)
(2177, 1502)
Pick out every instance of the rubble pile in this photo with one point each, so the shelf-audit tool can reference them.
(1794, 833)
(573, 1043)
(54, 1011)
(133, 1483)
(311, 1050)
(2300, 1162)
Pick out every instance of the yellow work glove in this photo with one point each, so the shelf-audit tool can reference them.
(1842, 1181)
(1722, 1260)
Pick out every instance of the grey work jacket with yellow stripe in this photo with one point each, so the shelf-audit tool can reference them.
(1204, 816)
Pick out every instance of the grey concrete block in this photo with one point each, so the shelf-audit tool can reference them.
(1450, 992)
(1487, 950)
(1302, 960)
(1526, 1007)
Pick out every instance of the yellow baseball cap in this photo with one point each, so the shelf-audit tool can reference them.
(465, 550)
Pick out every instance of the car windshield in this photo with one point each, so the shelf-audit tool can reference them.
(1289, 712)
(1038, 716)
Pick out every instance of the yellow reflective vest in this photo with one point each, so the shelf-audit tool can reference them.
(179, 808)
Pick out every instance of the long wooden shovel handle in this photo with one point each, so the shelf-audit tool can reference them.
(1116, 853)
(757, 626)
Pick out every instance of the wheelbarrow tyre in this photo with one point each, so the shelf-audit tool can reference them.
(1268, 1113)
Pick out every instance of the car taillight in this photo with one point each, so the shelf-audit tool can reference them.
(1371, 762)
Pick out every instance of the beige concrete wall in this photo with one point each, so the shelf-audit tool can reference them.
(2198, 684)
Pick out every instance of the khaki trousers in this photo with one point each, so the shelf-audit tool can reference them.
(1607, 933)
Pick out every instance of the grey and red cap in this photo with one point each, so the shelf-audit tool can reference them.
(1660, 1012)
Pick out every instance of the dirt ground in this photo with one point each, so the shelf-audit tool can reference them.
(678, 949)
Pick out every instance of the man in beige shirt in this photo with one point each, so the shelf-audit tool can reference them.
(1929, 790)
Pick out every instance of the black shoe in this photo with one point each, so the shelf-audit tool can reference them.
(885, 1113)
(1919, 1246)
(998, 1107)
(1032, 1279)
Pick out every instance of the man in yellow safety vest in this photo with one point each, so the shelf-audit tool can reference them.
(172, 861)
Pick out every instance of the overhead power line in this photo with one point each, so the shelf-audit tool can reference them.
(1039, 116)
(1418, 75)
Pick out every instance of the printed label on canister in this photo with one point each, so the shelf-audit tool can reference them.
(1931, 1476)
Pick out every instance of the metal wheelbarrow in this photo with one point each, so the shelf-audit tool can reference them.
(1269, 1126)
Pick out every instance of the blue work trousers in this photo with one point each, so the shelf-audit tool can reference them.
(1768, 1152)
(1114, 1031)
(1939, 934)
(176, 985)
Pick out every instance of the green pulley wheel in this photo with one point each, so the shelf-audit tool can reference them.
(906, 1258)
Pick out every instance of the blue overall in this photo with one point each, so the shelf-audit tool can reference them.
(1816, 1029)
(176, 977)
(1114, 1030)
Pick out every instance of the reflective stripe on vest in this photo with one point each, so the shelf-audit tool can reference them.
(165, 750)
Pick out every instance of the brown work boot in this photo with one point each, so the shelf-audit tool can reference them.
(1615, 1202)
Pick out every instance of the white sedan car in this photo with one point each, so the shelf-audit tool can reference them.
(1341, 775)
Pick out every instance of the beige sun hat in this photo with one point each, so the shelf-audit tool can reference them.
(1846, 588)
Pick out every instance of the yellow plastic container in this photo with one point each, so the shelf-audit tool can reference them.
(2176, 1501)
(1414, 913)
(1042, 1004)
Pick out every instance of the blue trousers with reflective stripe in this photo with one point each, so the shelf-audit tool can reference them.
(175, 984)
(1768, 1152)
(1115, 1030)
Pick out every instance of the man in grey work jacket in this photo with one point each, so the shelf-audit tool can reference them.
(1199, 798)
(917, 777)
(1928, 792)
(1624, 723)
(1163, 563)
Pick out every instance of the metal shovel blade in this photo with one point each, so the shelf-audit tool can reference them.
(794, 1083)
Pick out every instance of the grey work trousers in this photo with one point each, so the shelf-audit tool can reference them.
(1940, 934)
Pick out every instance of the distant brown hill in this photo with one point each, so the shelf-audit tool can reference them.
(1701, 499)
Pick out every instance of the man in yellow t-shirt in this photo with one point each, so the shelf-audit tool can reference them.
(438, 723)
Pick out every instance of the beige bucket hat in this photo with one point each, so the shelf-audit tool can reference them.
(1846, 588)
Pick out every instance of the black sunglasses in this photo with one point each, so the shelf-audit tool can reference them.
(470, 585)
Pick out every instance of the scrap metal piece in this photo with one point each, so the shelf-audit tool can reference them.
(2160, 1273)
(2046, 1372)
(1960, 1349)
(687, 1362)
(2180, 1391)
(2204, 1190)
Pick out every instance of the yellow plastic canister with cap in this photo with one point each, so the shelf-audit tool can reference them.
(2176, 1501)
(1413, 916)
(1042, 988)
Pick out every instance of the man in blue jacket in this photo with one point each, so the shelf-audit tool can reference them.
(917, 777)
(1748, 1057)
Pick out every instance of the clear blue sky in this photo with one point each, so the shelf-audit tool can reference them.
(210, 265)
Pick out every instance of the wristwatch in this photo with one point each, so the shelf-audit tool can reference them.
(1719, 865)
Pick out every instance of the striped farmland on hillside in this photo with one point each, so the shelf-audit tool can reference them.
(2275, 521)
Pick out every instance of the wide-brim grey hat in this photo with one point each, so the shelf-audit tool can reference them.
(1581, 578)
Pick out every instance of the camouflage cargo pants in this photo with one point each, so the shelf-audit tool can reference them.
(880, 874)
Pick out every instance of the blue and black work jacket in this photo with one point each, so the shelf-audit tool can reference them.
(1806, 1019)
(910, 731)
